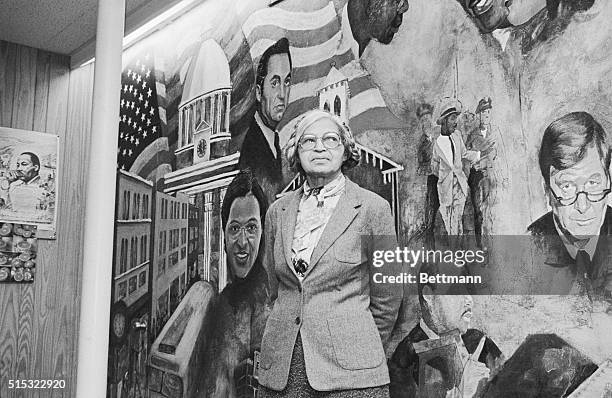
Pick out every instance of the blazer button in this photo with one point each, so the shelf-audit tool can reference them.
(297, 320)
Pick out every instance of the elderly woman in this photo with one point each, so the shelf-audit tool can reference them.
(330, 322)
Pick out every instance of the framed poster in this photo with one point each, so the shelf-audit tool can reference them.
(28, 179)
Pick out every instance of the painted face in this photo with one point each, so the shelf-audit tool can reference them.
(582, 218)
(26, 168)
(485, 117)
(490, 14)
(274, 95)
(242, 235)
(448, 312)
(449, 124)
(385, 18)
(327, 155)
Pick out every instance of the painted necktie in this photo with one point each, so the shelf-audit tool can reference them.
(584, 264)
(277, 149)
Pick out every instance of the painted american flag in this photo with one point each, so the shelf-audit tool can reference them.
(139, 122)
(319, 35)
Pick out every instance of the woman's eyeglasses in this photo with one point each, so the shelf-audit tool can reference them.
(329, 141)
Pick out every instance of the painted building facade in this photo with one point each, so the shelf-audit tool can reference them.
(205, 164)
(169, 271)
(130, 307)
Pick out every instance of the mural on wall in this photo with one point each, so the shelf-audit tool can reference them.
(462, 112)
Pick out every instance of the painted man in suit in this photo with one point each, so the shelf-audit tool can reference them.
(482, 180)
(449, 151)
(261, 149)
(425, 151)
(574, 236)
(446, 319)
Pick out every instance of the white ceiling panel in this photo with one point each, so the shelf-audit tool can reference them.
(54, 25)
(65, 26)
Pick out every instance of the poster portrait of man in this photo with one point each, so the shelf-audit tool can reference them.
(28, 177)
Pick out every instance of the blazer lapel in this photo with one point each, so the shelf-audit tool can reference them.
(288, 224)
(344, 213)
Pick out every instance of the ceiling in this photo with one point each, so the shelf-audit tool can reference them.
(67, 26)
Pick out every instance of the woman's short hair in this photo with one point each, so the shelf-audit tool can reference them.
(243, 184)
(305, 121)
(566, 140)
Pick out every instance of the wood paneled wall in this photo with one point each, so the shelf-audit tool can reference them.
(39, 321)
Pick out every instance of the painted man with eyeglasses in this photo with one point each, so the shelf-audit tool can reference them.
(575, 163)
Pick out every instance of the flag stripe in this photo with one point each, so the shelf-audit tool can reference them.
(298, 107)
(244, 8)
(161, 89)
(237, 45)
(160, 158)
(366, 100)
(290, 20)
(297, 38)
(160, 144)
(372, 118)
(159, 172)
(301, 5)
(319, 70)
(361, 84)
(376, 119)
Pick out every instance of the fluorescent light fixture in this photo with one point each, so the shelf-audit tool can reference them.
(89, 61)
(158, 22)
(154, 24)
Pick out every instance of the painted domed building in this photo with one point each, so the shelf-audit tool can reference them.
(204, 163)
